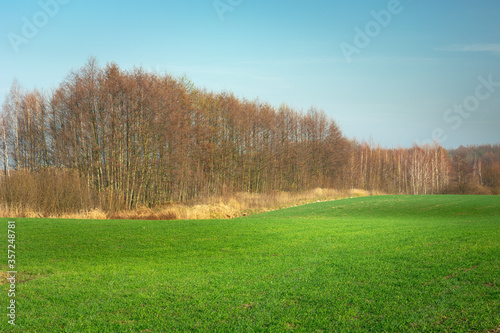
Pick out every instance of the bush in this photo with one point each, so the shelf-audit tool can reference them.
(48, 192)
(468, 188)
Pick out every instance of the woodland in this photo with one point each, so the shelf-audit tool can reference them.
(117, 139)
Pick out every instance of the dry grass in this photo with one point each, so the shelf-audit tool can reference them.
(95, 214)
(3, 277)
(229, 206)
(495, 330)
(240, 204)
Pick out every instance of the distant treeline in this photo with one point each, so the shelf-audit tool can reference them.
(476, 169)
(115, 139)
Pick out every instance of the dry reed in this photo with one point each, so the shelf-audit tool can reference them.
(228, 206)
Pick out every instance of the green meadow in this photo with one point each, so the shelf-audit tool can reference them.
(370, 264)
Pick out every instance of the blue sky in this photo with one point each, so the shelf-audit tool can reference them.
(420, 69)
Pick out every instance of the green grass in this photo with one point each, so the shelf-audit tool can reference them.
(372, 264)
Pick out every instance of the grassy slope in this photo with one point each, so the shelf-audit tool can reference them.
(389, 263)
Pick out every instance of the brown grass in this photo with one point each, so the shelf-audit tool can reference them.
(238, 204)
(495, 330)
(3, 277)
(228, 206)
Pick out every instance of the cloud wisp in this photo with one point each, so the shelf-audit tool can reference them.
(490, 48)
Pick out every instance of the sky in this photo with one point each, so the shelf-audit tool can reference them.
(390, 72)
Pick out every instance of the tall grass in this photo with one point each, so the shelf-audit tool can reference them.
(236, 205)
(50, 192)
(230, 205)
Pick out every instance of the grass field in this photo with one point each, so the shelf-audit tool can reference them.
(371, 264)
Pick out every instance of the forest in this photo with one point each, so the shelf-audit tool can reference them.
(117, 139)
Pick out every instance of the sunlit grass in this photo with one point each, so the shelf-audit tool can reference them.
(371, 264)
(230, 205)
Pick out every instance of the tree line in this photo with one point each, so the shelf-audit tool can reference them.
(130, 138)
(476, 169)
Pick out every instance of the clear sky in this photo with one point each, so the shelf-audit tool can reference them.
(394, 72)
